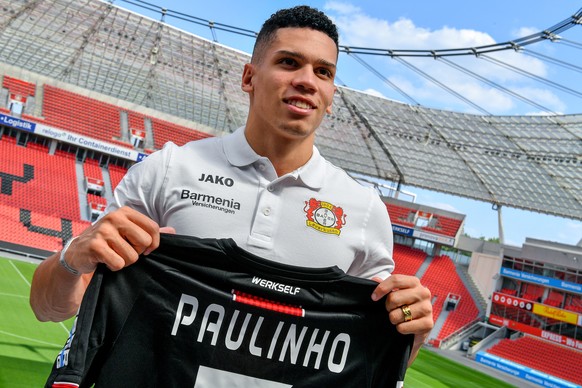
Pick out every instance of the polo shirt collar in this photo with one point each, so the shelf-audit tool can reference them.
(239, 153)
(237, 149)
(312, 173)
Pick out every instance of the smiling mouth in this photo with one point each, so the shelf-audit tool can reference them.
(300, 104)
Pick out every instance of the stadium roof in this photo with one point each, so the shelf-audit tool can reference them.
(526, 162)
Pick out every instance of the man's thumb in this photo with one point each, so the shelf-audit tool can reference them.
(167, 229)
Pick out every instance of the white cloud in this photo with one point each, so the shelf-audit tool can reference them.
(342, 8)
(543, 97)
(358, 29)
(525, 31)
(490, 99)
(374, 92)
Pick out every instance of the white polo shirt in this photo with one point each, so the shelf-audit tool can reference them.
(315, 216)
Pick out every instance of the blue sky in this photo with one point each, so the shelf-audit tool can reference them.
(424, 24)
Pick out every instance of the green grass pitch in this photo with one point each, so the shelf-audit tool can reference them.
(28, 347)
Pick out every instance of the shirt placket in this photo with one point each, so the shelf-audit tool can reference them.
(266, 211)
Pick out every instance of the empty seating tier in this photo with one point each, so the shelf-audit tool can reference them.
(165, 131)
(408, 260)
(441, 278)
(39, 197)
(17, 86)
(80, 114)
(543, 356)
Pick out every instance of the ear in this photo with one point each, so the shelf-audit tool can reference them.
(328, 109)
(247, 77)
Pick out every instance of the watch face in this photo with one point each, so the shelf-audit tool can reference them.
(324, 217)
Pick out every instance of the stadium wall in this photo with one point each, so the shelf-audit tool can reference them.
(484, 270)
(39, 80)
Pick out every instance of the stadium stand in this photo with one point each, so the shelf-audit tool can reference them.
(574, 303)
(42, 210)
(17, 86)
(116, 173)
(165, 131)
(40, 204)
(92, 169)
(542, 356)
(96, 199)
(509, 291)
(80, 114)
(400, 215)
(40, 192)
(408, 260)
(136, 121)
(445, 225)
(101, 121)
(442, 279)
(532, 292)
(555, 299)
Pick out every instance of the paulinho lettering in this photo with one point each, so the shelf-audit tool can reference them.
(287, 342)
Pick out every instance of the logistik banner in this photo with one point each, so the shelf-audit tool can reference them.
(17, 123)
(71, 138)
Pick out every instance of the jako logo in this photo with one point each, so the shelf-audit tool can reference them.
(218, 180)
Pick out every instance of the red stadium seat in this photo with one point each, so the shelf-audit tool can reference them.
(441, 278)
(408, 260)
(543, 356)
(37, 209)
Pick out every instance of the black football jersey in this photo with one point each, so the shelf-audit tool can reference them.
(205, 313)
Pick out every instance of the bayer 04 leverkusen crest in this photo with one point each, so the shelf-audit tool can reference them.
(324, 216)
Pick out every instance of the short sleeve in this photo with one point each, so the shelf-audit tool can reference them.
(377, 254)
(143, 186)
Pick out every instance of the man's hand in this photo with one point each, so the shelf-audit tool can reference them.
(409, 306)
(116, 240)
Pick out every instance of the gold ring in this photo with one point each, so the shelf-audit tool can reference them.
(407, 313)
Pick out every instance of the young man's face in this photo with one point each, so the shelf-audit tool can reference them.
(291, 83)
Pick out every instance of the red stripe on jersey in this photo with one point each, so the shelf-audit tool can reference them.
(60, 384)
(263, 303)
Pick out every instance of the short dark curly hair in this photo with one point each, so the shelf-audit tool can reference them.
(301, 16)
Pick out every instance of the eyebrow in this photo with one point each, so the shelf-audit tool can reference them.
(296, 54)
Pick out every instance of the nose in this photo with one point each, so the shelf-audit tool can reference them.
(305, 78)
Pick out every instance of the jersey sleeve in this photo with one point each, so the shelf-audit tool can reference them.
(376, 259)
(142, 187)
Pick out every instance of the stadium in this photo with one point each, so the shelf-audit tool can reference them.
(89, 88)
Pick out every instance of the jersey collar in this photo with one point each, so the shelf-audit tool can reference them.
(237, 150)
(239, 153)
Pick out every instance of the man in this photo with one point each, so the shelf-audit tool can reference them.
(266, 186)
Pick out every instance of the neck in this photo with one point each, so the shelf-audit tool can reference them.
(285, 154)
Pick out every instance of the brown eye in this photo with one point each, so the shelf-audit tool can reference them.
(288, 62)
(324, 72)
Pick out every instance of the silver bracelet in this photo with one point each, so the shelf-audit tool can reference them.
(62, 261)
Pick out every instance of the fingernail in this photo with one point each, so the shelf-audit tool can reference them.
(374, 297)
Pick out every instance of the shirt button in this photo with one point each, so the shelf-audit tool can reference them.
(262, 167)
(267, 211)
(270, 188)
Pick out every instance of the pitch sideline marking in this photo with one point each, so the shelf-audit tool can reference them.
(13, 295)
(28, 283)
(30, 339)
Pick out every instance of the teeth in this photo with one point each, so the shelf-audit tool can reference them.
(300, 104)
